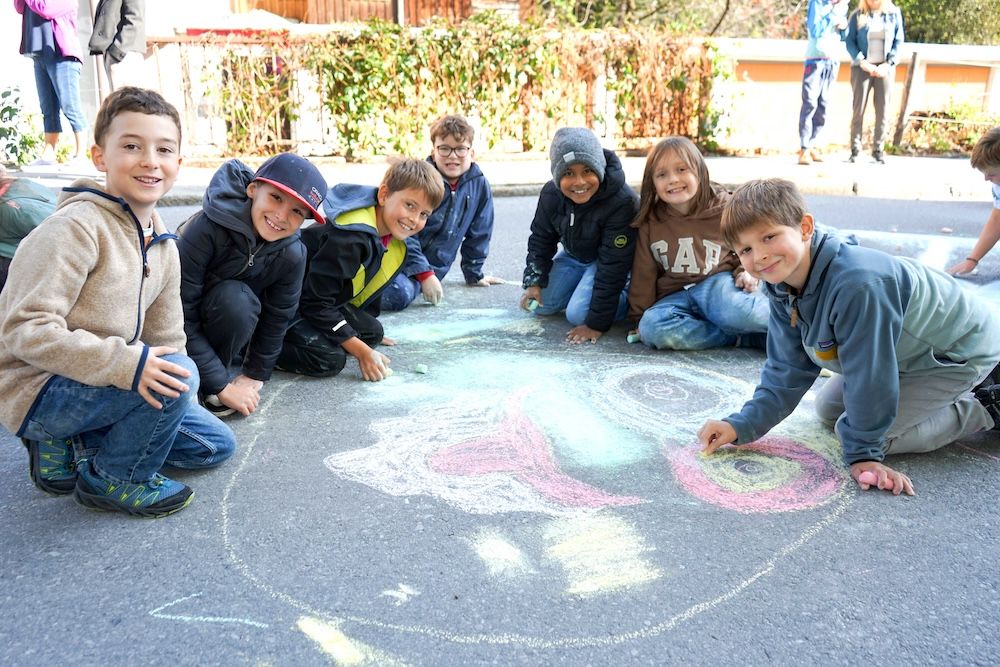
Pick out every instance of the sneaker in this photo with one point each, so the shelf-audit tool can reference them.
(854, 157)
(217, 407)
(804, 157)
(158, 497)
(988, 394)
(878, 157)
(815, 155)
(51, 466)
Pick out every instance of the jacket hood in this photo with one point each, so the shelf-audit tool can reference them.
(226, 202)
(823, 249)
(345, 197)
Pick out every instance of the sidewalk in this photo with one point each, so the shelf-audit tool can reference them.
(913, 178)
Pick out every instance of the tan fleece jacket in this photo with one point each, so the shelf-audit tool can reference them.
(77, 302)
(674, 251)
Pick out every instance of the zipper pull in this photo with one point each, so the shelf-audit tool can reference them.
(572, 218)
(795, 312)
(250, 262)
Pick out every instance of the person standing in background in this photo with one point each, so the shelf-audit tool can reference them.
(826, 27)
(120, 36)
(874, 35)
(48, 37)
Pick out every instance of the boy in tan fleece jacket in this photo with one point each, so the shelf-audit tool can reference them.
(93, 375)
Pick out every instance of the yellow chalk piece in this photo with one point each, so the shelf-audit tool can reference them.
(332, 641)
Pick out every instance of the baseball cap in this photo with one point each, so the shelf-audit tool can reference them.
(298, 177)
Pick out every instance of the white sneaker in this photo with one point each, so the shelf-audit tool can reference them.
(217, 407)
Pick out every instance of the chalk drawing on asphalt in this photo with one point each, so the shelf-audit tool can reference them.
(340, 648)
(502, 558)
(483, 458)
(191, 618)
(401, 594)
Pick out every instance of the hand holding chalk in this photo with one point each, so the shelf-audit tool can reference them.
(432, 290)
(376, 367)
(871, 479)
(531, 298)
(633, 336)
(714, 434)
(868, 474)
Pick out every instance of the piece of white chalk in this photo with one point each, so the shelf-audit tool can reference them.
(420, 368)
(388, 372)
(825, 373)
(532, 304)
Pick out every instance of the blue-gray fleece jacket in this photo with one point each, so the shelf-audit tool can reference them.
(870, 317)
(219, 243)
(600, 230)
(463, 221)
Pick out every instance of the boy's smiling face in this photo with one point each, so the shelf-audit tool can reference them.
(275, 214)
(402, 213)
(579, 183)
(777, 253)
(141, 158)
(454, 165)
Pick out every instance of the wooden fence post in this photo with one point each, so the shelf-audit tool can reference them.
(897, 138)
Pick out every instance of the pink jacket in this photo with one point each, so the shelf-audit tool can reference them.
(62, 13)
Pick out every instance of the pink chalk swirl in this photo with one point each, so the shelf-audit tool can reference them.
(774, 474)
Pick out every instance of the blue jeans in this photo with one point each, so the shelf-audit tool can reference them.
(817, 78)
(126, 439)
(713, 313)
(571, 286)
(58, 86)
(400, 293)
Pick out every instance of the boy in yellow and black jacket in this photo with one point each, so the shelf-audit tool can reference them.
(351, 260)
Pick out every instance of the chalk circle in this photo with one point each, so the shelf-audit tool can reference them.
(774, 474)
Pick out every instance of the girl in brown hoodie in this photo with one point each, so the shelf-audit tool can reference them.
(688, 290)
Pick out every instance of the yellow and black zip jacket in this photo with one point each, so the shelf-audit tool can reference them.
(347, 263)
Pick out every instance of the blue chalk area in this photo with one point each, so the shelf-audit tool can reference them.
(579, 432)
(460, 323)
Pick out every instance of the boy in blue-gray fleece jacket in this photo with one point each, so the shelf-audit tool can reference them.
(915, 355)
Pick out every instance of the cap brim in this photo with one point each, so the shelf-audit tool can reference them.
(317, 216)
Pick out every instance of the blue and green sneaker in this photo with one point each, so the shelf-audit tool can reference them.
(51, 466)
(158, 497)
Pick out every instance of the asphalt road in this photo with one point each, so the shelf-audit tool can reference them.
(526, 502)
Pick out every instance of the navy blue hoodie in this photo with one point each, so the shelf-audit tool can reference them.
(463, 220)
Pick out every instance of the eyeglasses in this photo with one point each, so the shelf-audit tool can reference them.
(447, 151)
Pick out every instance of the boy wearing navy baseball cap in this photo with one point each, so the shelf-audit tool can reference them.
(242, 265)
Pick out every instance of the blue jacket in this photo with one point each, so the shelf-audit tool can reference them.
(600, 230)
(219, 243)
(345, 255)
(857, 36)
(463, 220)
(825, 39)
(870, 317)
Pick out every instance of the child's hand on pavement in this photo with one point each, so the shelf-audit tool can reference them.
(583, 334)
(714, 434)
(432, 290)
(486, 281)
(534, 292)
(746, 282)
(870, 474)
(374, 366)
(965, 266)
(242, 394)
(158, 375)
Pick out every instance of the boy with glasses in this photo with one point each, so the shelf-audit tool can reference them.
(462, 222)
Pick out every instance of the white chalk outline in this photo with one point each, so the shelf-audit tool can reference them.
(201, 619)
(527, 641)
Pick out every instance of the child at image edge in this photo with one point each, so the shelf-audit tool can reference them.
(351, 261)
(915, 354)
(92, 331)
(587, 208)
(985, 158)
(462, 221)
(241, 274)
(688, 289)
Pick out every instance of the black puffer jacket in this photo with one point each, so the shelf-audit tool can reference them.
(598, 230)
(218, 243)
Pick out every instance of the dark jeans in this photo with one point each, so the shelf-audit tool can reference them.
(4, 268)
(310, 351)
(817, 77)
(229, 315)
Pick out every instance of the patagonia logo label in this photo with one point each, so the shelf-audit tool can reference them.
(826, 350)
(621, 241)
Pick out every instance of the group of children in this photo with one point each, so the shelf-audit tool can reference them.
(102, 302)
